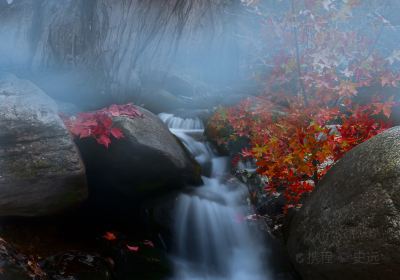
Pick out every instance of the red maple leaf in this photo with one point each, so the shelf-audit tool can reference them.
(132, 248)
(104, 140)
(110, 236)
(99, 124)
(116, 132)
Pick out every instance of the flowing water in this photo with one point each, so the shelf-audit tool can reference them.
(213, 237)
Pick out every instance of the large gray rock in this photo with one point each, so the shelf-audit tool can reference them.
(159, 101)
(41, 171)
(147, 162)
(99, 49)
(350, 227)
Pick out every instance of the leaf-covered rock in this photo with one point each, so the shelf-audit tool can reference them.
(99, 124)
(148, 161)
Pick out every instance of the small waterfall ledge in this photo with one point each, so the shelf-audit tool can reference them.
(213, 239)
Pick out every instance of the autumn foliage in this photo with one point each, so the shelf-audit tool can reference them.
(99, 124)
(112, 237)
(294, 146)
(314, 108)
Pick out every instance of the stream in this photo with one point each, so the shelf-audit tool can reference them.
(214, 238)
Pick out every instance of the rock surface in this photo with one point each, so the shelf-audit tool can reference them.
(147, 162)
(53, 249)
(41, 171)
(350, 226)
(100, 49)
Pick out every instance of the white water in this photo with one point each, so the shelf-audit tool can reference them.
(214, 240)
(176, 123)
(185, 129)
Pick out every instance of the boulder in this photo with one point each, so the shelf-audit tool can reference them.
(41, 171)
(160, 100)
(98, 50)
(149, 161)
(177, 85)
(349, 228)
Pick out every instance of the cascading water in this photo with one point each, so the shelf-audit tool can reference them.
(186, 130)
(213, 238)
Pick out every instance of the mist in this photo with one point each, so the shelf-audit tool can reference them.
(116, 50)
(199, 139)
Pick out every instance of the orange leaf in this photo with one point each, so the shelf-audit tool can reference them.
(110, 236)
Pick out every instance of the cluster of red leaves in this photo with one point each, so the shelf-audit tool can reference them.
(99, 124)
(294, 146)
(312, 111)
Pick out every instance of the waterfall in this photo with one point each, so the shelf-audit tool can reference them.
(213, 238)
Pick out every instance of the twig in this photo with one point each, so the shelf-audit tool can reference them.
(296, 43)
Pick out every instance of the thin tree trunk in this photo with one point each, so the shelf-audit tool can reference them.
(297, 49)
